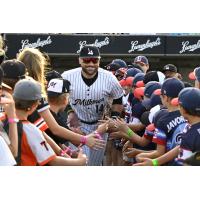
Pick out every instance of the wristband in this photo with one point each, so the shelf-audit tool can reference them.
(83, 140)
(130, 133)
(13, 120)
(155, 162)
(97, 135)
(66, 151)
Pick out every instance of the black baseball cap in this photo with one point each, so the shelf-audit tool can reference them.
(89, 51)
(169, 67)
(5, 86)
(52, 74)
(13, 69)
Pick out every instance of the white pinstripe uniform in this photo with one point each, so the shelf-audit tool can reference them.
(89, 102)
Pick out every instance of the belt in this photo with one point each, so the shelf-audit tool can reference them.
(90, 123)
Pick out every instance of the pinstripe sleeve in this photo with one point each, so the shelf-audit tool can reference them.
(116, 89)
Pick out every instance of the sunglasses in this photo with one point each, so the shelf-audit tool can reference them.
(88, 60)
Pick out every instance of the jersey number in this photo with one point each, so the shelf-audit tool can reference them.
(99, 108)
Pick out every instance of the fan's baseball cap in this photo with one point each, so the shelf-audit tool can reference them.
(141, 59)
(52, 74)
(132, 72)
(169, 67)
(5, 86)
(27, 89)
(189, 98)
(154, 76)
(150, 87)
(195, 75)
(171, 88)
(14, 69)
(57, 87)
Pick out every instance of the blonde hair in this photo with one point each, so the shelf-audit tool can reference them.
(36, 65)
(2, 52)
(1, 42)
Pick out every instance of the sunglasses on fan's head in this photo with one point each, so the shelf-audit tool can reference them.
(88, 60)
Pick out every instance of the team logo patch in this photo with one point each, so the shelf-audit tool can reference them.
(90, 52)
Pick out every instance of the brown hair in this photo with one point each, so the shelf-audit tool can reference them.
(10, 82)
(24, 104)
(57, 100)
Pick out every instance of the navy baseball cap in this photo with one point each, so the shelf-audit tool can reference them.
(141, 59)
(138, 109)
(154, 76)
(116, 64)
(172, 87)
(195, 74)
(169, 67)
(120, 72)
(138, 80)
(153, 101)
(132, 72)
(89, 51)
(150, 87)
(189, 98)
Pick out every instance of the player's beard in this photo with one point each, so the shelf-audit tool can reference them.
(90, 71)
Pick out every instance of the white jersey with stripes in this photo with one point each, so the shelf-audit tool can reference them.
(89, 101)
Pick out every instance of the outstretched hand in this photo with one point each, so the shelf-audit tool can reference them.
(144, 162)
(94, 142)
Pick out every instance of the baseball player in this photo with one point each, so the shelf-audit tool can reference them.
(91, 88)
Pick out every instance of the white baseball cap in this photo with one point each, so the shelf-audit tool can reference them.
(57, 86)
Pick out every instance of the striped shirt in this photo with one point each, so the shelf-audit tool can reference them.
(89, 102)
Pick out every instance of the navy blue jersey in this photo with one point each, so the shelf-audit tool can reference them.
(190, 142)
(169, 129)
(132, 100)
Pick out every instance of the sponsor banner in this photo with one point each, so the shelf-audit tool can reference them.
(188, 45)
(60, 44)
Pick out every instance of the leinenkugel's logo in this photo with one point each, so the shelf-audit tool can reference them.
(39, 43)
(140, 47)
(187, 47)
(97, 43)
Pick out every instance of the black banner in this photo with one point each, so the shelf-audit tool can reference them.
(189, 45)
(60, 44)
(70, 45)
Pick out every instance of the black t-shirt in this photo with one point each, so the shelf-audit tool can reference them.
(62, 122)
(35, 117)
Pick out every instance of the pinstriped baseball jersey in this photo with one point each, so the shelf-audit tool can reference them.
(89, 102)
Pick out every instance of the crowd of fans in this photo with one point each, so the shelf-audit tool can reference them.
(159, 124)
